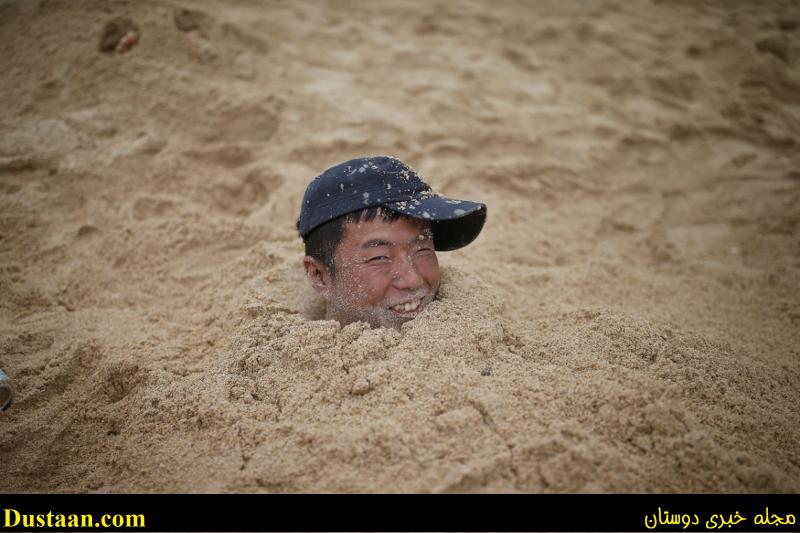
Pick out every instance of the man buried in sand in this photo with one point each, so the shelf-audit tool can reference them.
(371, 229)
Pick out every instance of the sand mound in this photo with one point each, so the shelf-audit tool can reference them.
(459, 401)
(627, 321)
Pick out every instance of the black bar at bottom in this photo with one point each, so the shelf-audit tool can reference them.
(412, 512)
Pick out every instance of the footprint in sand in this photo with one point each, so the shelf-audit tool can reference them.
(241, 196)
(227, 155)
(522, 59)
(146, 207)
(208, 40)
(116, 382)
(240, 122)
(778, 46)
(677, 87)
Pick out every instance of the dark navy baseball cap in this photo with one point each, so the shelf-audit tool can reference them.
(388, 182)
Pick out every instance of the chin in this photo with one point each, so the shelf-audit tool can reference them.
(391, 319)
(393, 324)
(379, 317)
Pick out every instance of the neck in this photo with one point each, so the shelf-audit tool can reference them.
(331, 314)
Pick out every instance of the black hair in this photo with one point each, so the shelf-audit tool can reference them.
(322, 241)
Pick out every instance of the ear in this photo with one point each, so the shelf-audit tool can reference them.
(318, 276)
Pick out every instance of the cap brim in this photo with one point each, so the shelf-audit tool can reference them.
(455, 223)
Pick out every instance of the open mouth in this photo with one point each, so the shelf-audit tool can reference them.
(410, 308)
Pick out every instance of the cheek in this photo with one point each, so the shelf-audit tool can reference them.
(366, 287)
(377, 283)
(428, 268)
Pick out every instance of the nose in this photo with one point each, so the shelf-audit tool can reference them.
(406, 276)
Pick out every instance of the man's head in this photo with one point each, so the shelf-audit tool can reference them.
(371, 229)
(382, 269)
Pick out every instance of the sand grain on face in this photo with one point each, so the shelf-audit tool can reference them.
(627, 320)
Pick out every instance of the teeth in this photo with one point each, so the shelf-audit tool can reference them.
(406, 307)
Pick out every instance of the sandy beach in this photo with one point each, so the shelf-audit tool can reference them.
(627, 321)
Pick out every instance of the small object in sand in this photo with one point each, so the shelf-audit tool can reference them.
(486, 371)
(779, 47)
(187, 20)
(127, 42)
(199, 46)
(119, 34)
(6, 393)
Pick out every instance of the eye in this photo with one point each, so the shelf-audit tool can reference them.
(377, 258)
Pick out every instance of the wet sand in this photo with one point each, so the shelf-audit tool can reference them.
(629, 319)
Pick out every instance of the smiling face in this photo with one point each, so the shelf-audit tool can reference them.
(386, 273)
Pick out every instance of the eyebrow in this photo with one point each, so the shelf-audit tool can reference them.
(374, 243)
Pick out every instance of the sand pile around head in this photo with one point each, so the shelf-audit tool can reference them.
(462, 400)
(459, 401)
